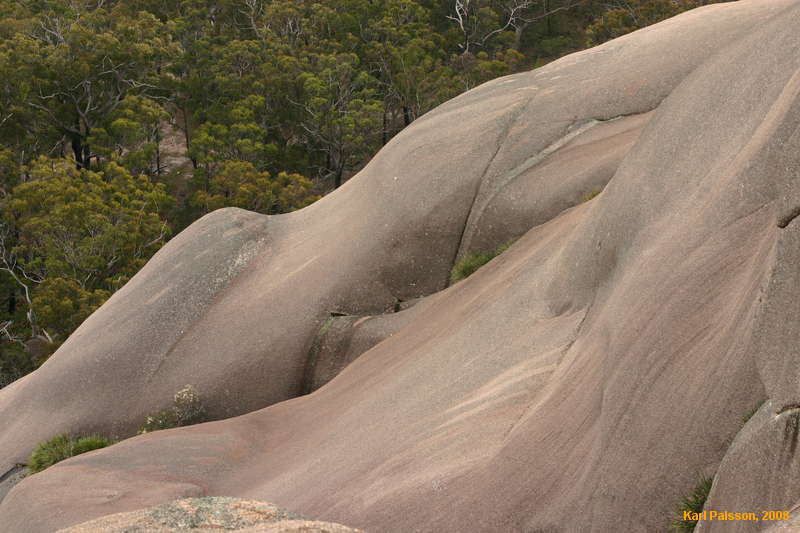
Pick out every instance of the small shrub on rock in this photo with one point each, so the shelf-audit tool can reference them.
(163, 419)
(187, 409)
(63, 447)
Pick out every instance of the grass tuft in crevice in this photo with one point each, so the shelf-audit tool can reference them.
(746, 418)
(62, 447)
(473, 261)
(590, 194)
(692, 503)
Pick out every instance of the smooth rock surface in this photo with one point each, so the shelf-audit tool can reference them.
(579, 382)
(232, 305)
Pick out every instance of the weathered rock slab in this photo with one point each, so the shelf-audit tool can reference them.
(208, 515)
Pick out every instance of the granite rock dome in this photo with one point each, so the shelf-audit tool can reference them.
(579, 382)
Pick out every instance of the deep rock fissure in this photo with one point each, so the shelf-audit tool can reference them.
(12, 471)
(787, 408)
(571, 133)
(500, 142)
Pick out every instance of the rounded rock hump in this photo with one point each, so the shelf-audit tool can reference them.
(578, 382)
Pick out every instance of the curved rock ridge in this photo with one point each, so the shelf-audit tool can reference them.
(579, 382)
(342, 339)
(208, 515)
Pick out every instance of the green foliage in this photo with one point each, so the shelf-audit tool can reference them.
(693, 503)
(635, 15)
(74, 236)
(240, 184)
(9, 172)
(87, 444)
(473, 261)
(186, 409)
(590, 195)
(75, 66)
(340, 110)
(130, 134)
(63, 447)
(96, 228)
(62, 305)
(14, 363)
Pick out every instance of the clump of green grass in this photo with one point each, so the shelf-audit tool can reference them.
(186, 409)
(473, 261)
(746, 418)
(63, 447)
(589, 195)
(693, 503)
